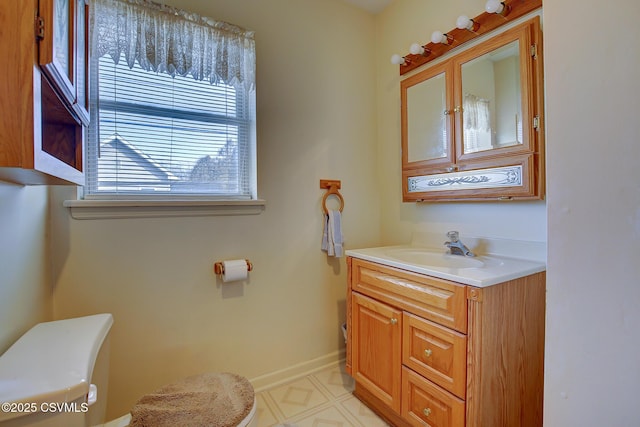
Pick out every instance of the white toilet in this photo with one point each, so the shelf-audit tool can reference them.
(57, 375)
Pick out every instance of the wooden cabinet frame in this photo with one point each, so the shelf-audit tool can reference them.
(505, 173)
(500, 348)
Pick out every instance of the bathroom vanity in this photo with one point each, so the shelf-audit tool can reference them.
(448, 341)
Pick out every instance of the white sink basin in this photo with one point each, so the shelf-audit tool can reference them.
(434, 259)
(482, 270)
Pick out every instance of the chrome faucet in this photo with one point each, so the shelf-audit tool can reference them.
(456, 247)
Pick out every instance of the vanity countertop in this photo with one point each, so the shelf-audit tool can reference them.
(480, 271)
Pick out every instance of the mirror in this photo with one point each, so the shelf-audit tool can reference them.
(492, 101)
(427, 119)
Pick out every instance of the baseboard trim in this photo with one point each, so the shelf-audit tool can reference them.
(297, 371)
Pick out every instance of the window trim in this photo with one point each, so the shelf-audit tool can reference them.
(241, 72)
(161, 208)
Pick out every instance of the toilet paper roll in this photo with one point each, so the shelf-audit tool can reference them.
(235, 269)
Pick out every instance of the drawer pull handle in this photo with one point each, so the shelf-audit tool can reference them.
(426, 412)
(428, 352)
(394, 321)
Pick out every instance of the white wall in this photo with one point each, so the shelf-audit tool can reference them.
(593, 148)
(25, 287)
(402, 23)
(316, 115)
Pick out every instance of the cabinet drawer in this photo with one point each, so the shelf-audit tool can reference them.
(424, 403)
(435, 352)
(435, 299)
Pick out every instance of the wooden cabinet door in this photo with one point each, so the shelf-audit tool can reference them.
(62, 53)
(57, 45)
(427, 119)
(376, 348)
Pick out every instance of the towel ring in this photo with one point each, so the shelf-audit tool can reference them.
(332, 187)
(324, 200)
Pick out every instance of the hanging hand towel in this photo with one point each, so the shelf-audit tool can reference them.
(337, 233)
(332, 238)
(325, 234)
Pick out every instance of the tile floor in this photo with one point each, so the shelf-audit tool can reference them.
(320, 399)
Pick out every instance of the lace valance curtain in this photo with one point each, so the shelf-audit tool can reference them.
(168, 40)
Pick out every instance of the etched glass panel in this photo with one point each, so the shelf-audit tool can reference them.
(81, 31)
(508, 176)
(61, 35)
(427, 124)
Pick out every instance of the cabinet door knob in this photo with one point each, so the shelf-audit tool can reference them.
(426, 412)
(447, 112)
(428, 352)
(394, 321)
(458, 109)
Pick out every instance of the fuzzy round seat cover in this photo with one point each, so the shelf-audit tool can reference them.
(211, 400)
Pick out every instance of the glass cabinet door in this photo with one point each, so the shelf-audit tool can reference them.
(494, 88)
(82, 59)
(427, 126)
(491, 100)
(62, 52)
(62, 37)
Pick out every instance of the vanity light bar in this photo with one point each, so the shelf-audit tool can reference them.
(481, 24)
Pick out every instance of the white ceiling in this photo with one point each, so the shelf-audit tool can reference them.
(373, 6)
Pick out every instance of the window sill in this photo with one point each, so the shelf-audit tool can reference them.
(119, 209)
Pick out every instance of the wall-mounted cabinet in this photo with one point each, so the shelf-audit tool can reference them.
(43, 98)
(472, 125)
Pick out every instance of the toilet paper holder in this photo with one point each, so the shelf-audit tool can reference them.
(218, 267)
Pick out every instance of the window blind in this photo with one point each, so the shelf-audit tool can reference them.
(155, 133)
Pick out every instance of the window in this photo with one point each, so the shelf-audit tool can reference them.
(172, 105)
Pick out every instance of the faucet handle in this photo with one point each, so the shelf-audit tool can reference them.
(453, 236)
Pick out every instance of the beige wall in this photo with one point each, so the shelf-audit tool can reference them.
(25, 288)
(315, 108)
(593, 148)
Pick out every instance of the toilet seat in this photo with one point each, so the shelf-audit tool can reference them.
(251, 420)
(214, 399)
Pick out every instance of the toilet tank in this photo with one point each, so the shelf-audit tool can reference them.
(56, 374)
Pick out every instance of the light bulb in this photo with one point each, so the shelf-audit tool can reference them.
(397, 59)
(464, 23)
(416, 49)
(494, 6)
(438, 37)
